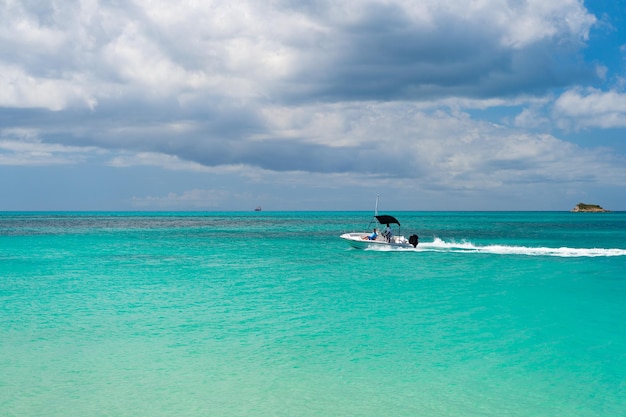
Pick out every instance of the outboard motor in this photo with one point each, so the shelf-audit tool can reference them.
(414, 240)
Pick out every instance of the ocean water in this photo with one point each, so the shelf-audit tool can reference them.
(271, 314)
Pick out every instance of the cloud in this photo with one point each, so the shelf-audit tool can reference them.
(387, 51)
(22, 147)
(333, 90)
(292, 51)
(532, 118)
(587, 108)
(21, 90)
(396, 142)
(164, 161)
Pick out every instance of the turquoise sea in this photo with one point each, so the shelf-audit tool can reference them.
(271, 314)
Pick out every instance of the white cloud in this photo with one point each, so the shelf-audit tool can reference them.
(586, 108)
(22, 28)
(164, 161)
(533, 20)
(253, 50)
(20, 90)
(532, 118)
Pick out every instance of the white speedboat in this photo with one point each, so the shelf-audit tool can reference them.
(381, 239)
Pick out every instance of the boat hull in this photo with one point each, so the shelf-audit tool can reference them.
(360, 241)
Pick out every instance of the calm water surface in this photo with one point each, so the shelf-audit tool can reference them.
(271, 314)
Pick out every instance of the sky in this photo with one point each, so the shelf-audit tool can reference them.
(211, 105)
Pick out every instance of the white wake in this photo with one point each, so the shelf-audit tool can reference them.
(438, 245)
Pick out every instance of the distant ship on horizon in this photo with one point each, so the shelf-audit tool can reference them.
(258, 208)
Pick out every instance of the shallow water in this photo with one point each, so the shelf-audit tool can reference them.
(257, 314)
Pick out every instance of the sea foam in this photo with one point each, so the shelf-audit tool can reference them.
(439, 245)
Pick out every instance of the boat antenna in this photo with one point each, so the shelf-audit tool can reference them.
(376, 210)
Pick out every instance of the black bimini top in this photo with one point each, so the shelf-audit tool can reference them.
(385, 219)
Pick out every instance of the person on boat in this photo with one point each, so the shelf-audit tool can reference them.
(387, 233)
(371, 236)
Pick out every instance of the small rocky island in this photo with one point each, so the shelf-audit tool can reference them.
(588, 208)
